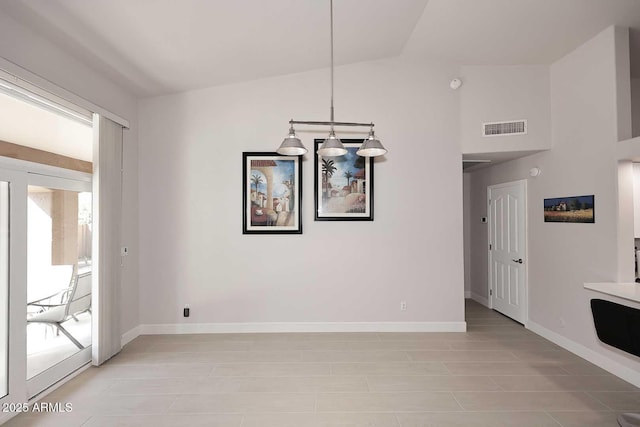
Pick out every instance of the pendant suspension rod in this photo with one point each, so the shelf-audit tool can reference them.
(331, 20)
(332, 146)
(331, 123)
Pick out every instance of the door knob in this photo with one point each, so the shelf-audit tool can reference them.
(519, 260)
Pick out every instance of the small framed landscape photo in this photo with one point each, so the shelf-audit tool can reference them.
(343, 186)
(570, 209)
(271, 193)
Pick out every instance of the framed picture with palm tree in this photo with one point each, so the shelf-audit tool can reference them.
(343, 186)
(271, 193)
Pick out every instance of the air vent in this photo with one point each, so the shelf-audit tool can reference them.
(516, 127)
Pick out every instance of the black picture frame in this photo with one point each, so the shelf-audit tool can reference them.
(578, 209)
(351, 202)
(278, 208)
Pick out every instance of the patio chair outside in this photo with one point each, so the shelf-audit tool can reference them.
(77, 300)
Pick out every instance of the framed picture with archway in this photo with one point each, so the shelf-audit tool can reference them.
(271, 193)
(343, 185)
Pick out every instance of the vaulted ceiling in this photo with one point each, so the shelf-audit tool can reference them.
(154, 47)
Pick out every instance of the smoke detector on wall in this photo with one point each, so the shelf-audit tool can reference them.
(534, 172)
(455, 84)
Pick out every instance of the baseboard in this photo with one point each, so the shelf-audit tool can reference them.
(630, 375)
(467, 294)
(130, 335)
(480, 299)
(225, 328)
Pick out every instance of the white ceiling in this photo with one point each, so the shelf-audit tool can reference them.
(514, 32)
(160, 46)
(154, 47)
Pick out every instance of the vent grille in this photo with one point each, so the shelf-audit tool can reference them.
(516, 127)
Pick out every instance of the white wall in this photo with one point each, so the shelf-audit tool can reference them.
(503, 93)
(562, 257)
(466, 210)
(477, 243)
(190, 203)
(25, 48)
(622, 64)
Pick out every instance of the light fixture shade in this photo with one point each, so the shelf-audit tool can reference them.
(291, 145)
(332, 146)
(371, 147)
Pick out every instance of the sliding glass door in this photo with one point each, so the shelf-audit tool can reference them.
(58, 297)
(45, 279)
(48, 277)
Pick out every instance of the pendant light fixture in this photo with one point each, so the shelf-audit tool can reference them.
(332, 146)
(371, 147)
(292, 146)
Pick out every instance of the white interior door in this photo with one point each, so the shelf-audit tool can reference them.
(507, 246)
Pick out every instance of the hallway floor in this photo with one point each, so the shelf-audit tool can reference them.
(497, 374)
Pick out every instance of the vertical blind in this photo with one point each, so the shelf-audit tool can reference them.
(107, 211)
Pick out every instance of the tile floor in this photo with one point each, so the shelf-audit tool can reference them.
(497, 374)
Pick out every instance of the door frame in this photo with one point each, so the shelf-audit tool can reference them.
(525, 301)
(17, 342)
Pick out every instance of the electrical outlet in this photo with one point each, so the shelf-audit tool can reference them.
(186, 311)
(403, 306)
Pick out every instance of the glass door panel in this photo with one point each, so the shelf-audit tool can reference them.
(58, 277)
(4, 288)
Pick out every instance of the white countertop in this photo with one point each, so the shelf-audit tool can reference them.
(629, 291)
